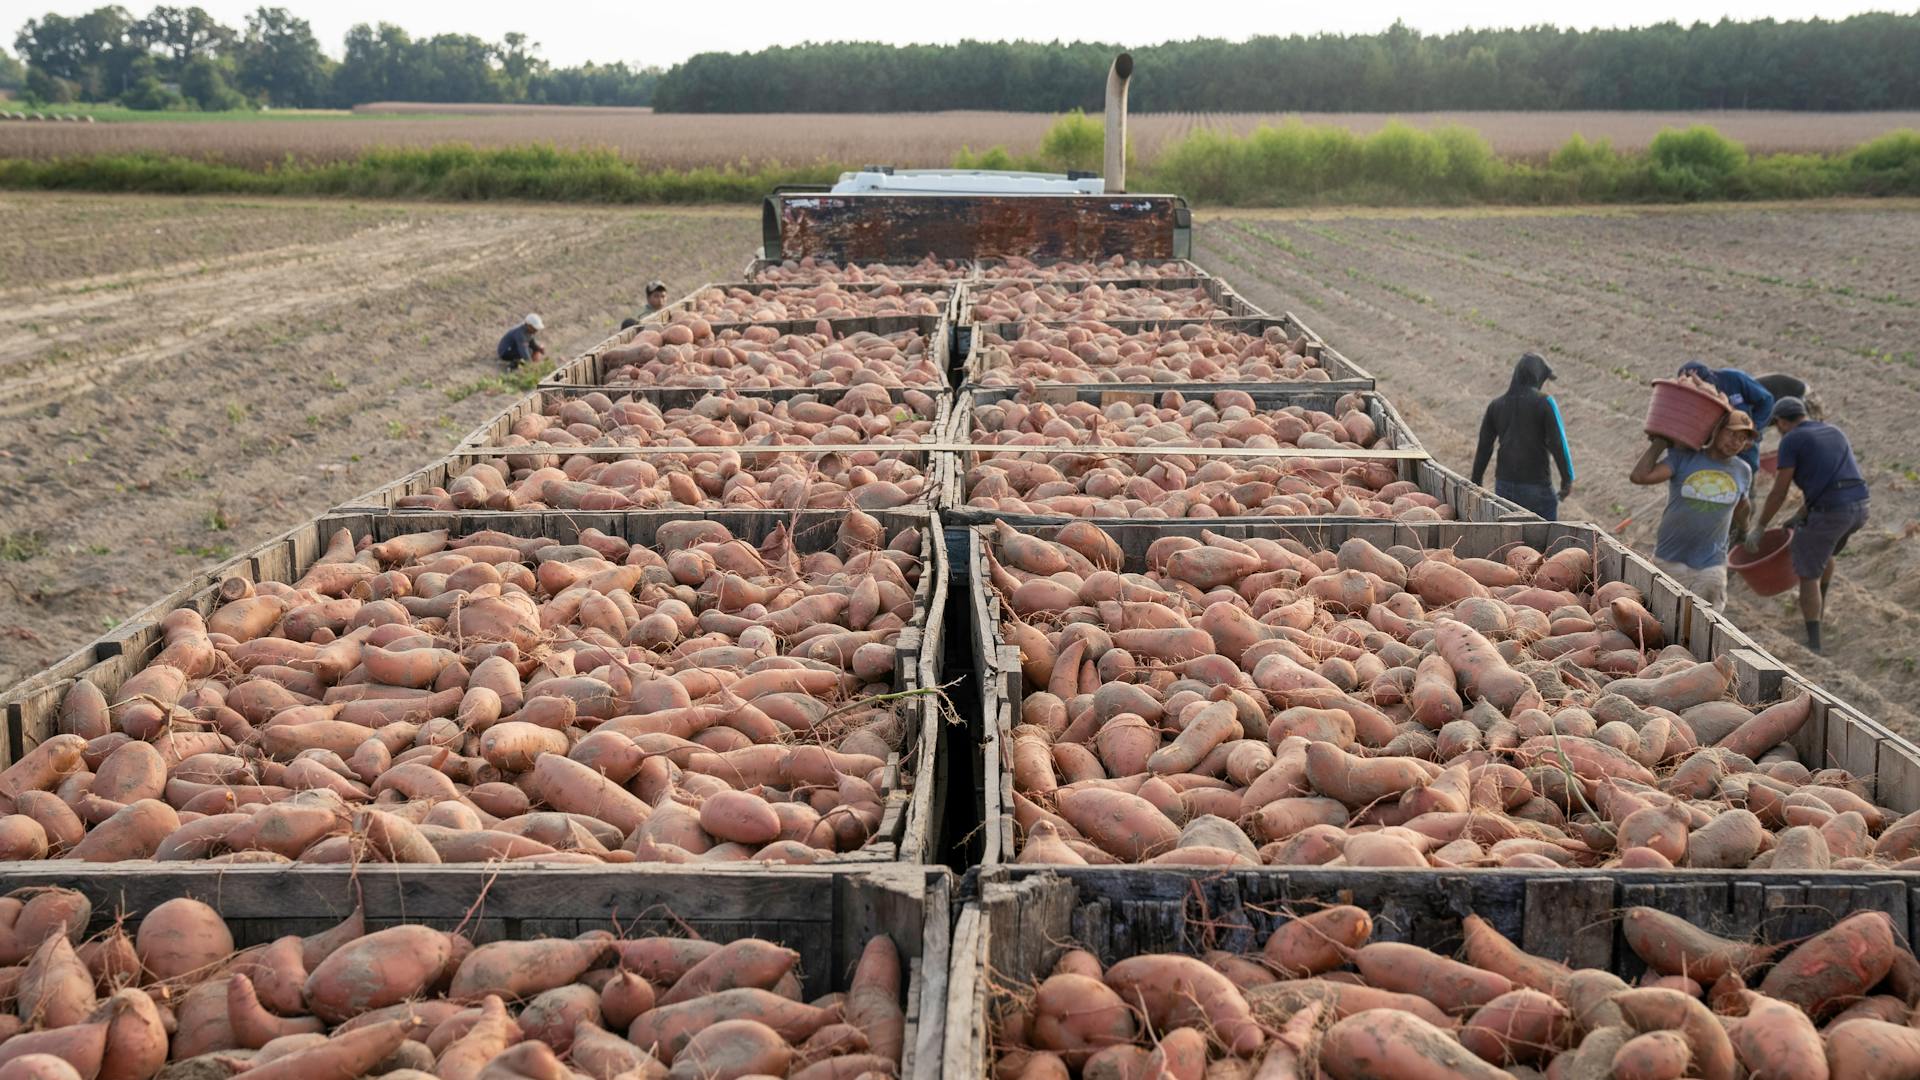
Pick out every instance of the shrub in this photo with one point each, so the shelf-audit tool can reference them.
(1694, 164)
(1888, 165)
(1075, 141)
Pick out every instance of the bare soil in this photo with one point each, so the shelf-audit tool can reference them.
(1439, 306)
(183, 378)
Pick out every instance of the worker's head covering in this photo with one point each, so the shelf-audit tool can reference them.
(1530, 373)
(1696, 368)
(533, 322)
(656, 286)
(1738, 420)
(1789, 408)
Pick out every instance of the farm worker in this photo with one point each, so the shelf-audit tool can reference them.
(1526, 423)
(1817, 458)
(1706, 500)
(656, 298)
(1745, 393)
(519, 347)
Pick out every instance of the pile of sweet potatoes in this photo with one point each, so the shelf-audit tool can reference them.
(1323, 999)
(1243, 702)
(1097, 353)
(411, 1002)
(496, 697)
(1090, 483)
(721, 478)
(862, 414)
(821, 300)
(694, 353)
(811, 269)
(1229, 418)
(1112, 268)
(1012, 299)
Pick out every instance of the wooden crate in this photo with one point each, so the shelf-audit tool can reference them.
(1017, 921)
(826, 917)
(589, 369)
(670, 398)
(758, 265)
(996, 270)
(1230, 304)
(1392, 430)
(1342, 373)
(386, 498)
(687, 302)
(911, 818)
(1834, 735)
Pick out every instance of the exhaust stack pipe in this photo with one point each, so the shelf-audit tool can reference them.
(1116, 163)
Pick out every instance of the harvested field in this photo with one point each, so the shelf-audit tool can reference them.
(1438, 306)
(221, 362)
(182, 378)
(908, 140)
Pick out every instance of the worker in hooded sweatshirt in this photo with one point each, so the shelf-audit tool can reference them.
(1526, 424)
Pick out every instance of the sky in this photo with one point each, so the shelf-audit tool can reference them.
(664, 33)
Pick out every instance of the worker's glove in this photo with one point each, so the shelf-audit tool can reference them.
(1754, 536)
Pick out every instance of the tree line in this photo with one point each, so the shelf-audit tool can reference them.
(1864, 62)
(184, 58)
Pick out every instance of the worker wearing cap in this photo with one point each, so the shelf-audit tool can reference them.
(519, 347)
(1744, 392)
(1706, 500)
(1817, 458)
(656, 298)
(1525, 422)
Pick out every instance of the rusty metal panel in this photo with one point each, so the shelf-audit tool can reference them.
(894, 227)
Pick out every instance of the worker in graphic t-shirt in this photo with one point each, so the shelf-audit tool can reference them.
(1817, 458)
(1706, 501)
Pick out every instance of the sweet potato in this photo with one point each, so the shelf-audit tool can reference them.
(668, 1028)
(379, 969)
(1775, 1038)
(1311, 944)
(1860, 1050)
(1077, 1015)
(1180, 991)
(1382, 1043)
(1455, 987)
(1834, 967)
(731, 1049)
(1657, 1009)
(515, 970)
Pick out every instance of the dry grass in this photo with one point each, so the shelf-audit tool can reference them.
(907, 140)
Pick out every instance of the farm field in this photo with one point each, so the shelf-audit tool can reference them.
(182, 378)
(1439, 306)
(908, 140)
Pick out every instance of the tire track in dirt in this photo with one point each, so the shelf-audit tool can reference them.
(290, 382)
(1438, 308)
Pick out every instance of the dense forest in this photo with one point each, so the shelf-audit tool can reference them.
(1860, 63)
(183, 58)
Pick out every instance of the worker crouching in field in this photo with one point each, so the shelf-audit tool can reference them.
(1525, 423)
(1817, 458)
(1706, 500)
(519, 347)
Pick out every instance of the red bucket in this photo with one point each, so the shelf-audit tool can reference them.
(1683, 412)
(1768, 571)
(1770, 462)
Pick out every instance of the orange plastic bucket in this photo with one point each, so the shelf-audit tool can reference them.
(1768, 571)
(1683, 413)
(1770, 462)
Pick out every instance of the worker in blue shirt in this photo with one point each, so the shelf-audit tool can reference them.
(1816, 458)
(519, 347)
(1745, 393)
